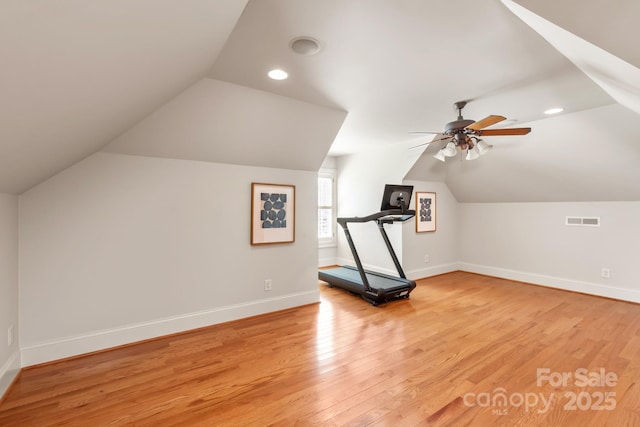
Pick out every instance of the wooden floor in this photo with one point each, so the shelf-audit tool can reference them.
(463, 350)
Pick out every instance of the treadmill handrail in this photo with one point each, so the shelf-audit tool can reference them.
(392, 252)
(356, 258)
(403, 216)
(382, 217)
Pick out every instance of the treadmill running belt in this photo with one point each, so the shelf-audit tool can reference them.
(376, 280)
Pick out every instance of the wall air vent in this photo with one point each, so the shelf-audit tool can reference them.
(592, 221)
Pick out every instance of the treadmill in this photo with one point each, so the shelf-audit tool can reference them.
(376, 288)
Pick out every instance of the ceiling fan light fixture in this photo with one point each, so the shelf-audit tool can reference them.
(472, 154)
(482, 147)
(449, 150)
(440, 156)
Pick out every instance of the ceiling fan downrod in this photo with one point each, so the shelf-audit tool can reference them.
(459, 106)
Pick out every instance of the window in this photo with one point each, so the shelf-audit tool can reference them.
(326, 208)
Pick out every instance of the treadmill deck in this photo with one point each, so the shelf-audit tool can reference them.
(383, 287)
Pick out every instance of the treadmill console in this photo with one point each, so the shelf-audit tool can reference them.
(398, 218)
(396, 197)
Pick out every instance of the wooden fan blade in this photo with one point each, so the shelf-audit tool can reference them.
(423, 133)
(431, 142)
(487, 121)
(506, 131)
(419, 145)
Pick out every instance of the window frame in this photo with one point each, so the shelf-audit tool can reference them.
(327, 242)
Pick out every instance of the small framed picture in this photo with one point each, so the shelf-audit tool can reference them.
(273, 213)
(425, 212)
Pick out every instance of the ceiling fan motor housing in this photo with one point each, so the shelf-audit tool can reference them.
(461, 140)
(451, 127)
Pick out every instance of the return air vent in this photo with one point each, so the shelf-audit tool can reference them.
(592, 221)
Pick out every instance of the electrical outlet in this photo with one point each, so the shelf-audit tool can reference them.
(426, 258)
(267, 284)
(10, 335)
(605, 273)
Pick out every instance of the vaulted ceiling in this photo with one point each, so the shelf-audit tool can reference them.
(187, 79)
(76, 74)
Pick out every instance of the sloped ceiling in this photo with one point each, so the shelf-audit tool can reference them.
(594, 162)
(75, 74)
(398, 67)
(591, 155)
(607, 25)
(617, 77)
(221, 122)
(128, 77)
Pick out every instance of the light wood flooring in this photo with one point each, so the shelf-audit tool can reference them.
(450, 355)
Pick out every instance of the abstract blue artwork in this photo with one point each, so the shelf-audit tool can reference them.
(425, 209)
(425, 212)
(274, 210)
(272, 213)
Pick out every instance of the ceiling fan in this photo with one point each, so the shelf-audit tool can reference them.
(465, 134)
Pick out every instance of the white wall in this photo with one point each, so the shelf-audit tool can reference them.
(529, 242)
(120, 248)
(9, 355)
(361, 181)
(521, 241)
(441, 245)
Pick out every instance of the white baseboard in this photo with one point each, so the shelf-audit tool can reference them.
(9, 371)
(325, 262)
(411, 274)
(433, 270)
(368, 267)
(345, 261)
(100, 340)
(597, 289)
(554, 282)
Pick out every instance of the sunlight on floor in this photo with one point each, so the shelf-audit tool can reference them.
(325, 345)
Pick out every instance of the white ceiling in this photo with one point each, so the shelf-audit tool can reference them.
(399, 66)
(127, 77)
(75, 74)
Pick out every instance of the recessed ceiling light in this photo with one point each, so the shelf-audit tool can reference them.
(554, 110)
(278, 74)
